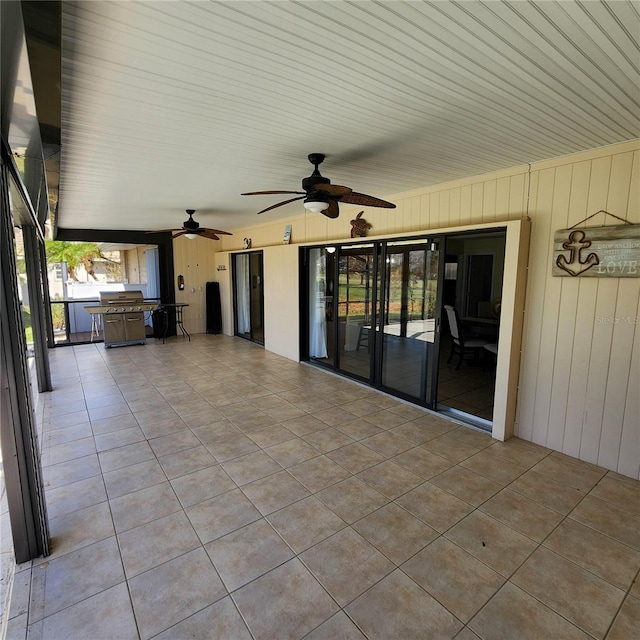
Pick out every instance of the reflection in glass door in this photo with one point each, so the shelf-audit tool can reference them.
(356, 310)
(409, 319)
(248, 294)
(320, 310)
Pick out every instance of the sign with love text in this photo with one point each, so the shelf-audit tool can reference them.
(597, 252)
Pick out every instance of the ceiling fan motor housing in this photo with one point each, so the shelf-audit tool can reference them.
(315, 178)
(191, 224)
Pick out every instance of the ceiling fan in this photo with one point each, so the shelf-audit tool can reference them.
(320, 196)
(191, 229)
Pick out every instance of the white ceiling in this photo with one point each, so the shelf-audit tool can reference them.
(175, 105)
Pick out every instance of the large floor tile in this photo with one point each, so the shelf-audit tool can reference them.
(218, 516)
(550, 493)
(327, 439)
(466, 485)
(512, 611)
(395, 532)
(497, 545)
(292, 452)
(390, 479)
(422, 462)
(106, 615)
(220, 620)
(78, 495)
(627, 621)
(285, 603)
(609, 519)
(338, 626)
(436, 507)
(250, 467)
(136, 508)
(522, 514)
(305, 523)
(183, 462)
(155, 542)
(274, 492)
(71, 531)
(396, 607)
(618, 492)
(173, 591)
(499, 470)
(318, 473)
(576, 594)
(247, 553)
(346, 565)
(67, 581)
(613, 561)
(202, 485)
(453, 577)
(355, 457)
(352, 499)
(578, 476)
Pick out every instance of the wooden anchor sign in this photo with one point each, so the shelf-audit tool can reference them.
(597, 252)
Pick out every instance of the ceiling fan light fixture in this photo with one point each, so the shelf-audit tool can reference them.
(191, 236)
(315, 205)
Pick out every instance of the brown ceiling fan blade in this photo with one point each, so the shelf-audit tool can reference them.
(331, 189)
(274, 206)
(222, 233)
(332, 211)
(180, 233)
(163, 230)
(209, 233)
(268, 193)
(366, 201)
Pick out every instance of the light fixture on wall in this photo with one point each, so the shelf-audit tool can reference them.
(330, 249)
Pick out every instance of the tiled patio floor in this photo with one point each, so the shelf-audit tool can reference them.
(214, 490)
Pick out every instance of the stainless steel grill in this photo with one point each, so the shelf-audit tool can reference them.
(123, 317)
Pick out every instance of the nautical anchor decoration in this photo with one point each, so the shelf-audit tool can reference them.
(575, 265)
(613, 252)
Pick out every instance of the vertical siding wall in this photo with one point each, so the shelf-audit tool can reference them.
(580, 369)
(580, 380)
(194, 260)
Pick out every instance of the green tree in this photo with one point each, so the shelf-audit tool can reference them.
(74, 254)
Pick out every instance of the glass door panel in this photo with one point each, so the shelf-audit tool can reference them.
(248, 293)
(257, 297)
(242, 288)
(409, 319)
(320, 300)
(355, 312)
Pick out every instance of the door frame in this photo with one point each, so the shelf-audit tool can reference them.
(234, 274)
(511, 315)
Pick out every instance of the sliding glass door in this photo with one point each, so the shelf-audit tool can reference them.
(248, 295)
(372, 313)
(409, 318)
(375, 314)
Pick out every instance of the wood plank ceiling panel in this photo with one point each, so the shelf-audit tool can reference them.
(174, 105)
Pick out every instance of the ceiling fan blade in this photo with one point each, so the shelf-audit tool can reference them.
(365, 200)
(332, 211)
(268, 193)
(331, 189)
(222, 233)
(283, 203)
(163, 230)
(181, 233)
(210, 234)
